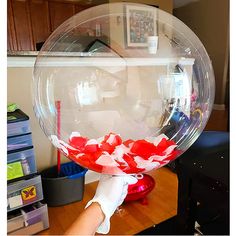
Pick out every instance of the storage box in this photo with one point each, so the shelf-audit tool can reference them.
(19, 142)
(24, 192)
(31, 220)
(40, 213)
(24, 159)
(17, 123)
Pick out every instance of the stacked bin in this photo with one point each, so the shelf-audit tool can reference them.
(25, 213)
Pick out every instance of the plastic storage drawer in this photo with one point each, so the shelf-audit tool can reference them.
(15, 223)
(23, 162)
(34, 220)
(18, 128)
(17, 123)
(19, 142)
(23, 193)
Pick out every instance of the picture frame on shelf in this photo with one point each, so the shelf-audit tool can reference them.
(140, 23)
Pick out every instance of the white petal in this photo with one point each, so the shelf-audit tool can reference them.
(146, 164)
(152, 166)
(91, 142)
(170, 149)
(106, 160)
(64, 150)
(62, 147)
(75, 134)
(158, 158)
(67, 145)
(55, 141)
(119, 153)
(156, 140)
(111, 139)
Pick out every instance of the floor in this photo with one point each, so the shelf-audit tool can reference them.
(135, 217)
(132, 217)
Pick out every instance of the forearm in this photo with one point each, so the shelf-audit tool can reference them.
(88, 221)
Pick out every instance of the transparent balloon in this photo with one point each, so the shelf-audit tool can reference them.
(123, 88)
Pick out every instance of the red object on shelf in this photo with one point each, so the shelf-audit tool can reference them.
(141, 189)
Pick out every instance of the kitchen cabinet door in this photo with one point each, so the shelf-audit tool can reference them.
(22, 23)
(40, 20)
(59, 12)
(11, 33)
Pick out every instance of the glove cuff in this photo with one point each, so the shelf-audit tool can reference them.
(105, 225)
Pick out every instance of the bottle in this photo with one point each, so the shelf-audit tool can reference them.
(25, 166)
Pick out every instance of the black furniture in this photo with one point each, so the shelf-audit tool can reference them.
(203, 189)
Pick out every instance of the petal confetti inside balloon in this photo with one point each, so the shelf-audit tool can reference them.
(135, 86)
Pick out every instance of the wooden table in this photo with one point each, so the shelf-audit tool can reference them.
(133, 217)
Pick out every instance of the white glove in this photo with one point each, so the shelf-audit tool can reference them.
(110, 194)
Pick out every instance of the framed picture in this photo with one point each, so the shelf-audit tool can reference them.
(140, 23)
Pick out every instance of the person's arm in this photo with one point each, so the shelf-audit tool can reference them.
(88, 221)
(110, 194)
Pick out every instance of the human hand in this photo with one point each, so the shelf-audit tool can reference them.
(110, 194)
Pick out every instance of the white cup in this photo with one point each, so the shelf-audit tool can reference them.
(152, 44)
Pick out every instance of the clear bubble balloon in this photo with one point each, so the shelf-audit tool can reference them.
(123, 88)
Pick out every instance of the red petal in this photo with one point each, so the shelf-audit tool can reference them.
(163, 145)
(143, 148)
(96, 155)
(72, 152)
(117, 140)
(128, 142)
(96, 168)
(91, 148)
(106, 147)
(78, 142)
(172, 156)
(133, 170)
(130, 160)
(85, 158)
(171, 142)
